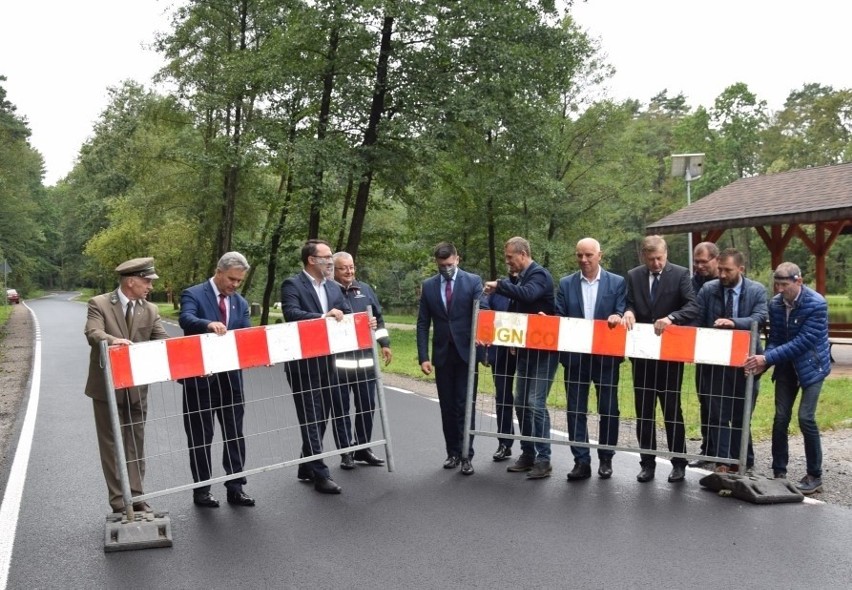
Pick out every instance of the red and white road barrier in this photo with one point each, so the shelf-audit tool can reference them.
(677, 343)
(206, 354)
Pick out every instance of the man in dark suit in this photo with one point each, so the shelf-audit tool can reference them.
(531, 294)
(120, 318)
(659, 293)
(591, 293)
(316, 392)
(355, 369)
(215, 306)
(731, 302)
(705, 258)
(503, 361)
(446, 303)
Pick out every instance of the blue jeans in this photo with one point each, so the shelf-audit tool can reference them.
(533, 378)
(786, 389)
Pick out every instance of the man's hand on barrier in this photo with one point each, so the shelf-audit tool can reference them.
(121, 342)
(217, 328)
(755, 365)
(426, 367)
(660, 325)
(613, 321)
(628, 319)
(373, 323)
(723, 323)
(336, 314)
(387, 355)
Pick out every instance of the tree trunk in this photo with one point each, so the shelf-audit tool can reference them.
(371, 135)
(322, 129)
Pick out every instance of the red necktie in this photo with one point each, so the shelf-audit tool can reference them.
(223, 311)
(448, 292)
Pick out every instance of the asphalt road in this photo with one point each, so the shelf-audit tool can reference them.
(418, 527)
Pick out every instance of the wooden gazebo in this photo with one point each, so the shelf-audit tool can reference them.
(777, 206)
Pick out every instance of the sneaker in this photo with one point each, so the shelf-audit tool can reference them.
(540, 470)
(522, 463)
(810, 485)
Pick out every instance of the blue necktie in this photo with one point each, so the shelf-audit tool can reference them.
(654, 286)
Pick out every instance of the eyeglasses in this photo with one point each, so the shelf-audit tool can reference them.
(344, 268)
(323, 259)
(708, 261)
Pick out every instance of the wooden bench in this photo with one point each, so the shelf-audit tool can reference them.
(839, 333)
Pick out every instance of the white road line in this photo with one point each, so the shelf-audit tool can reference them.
(11, 505)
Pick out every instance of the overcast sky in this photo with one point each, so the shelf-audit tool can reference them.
(60, 56)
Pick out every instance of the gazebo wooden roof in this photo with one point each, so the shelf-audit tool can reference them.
(776, 205)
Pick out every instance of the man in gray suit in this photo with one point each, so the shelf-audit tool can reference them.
(120, 318)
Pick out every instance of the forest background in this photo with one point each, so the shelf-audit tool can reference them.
(386, 127)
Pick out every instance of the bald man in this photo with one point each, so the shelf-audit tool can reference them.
(591, 293)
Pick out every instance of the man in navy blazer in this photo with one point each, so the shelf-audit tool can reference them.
(659, 293)
(591, 293)
(215, 306)
(316, 392)
(731, 302)
(446, 303)
(532, 293)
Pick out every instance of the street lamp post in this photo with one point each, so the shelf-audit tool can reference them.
(689, 167)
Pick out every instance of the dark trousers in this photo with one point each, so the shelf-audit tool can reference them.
(206, 398)
(316, 394)
(335, 405)
(503, 372)
(703, 410)
(724, 388)
(363, 389)
(653, 380)
(581, 370)
(451, 382)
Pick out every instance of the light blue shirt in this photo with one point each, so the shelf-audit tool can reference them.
(590, 294)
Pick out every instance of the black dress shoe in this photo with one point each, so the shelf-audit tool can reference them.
(205, 499)
(466, 467)
(347, 461)
(503, 453)
(580, 471)
(605, 468)
(369, 457)
(678, 473)
(240, 499)
(141, 507)
(326, 485)
(451, 462)
(646, 474)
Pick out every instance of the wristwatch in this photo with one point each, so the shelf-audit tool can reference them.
(671, 318)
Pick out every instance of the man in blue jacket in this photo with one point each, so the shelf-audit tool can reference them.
(731, 302)
(798, 348)
(215, 306)
(532, 293)
(591, 293)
